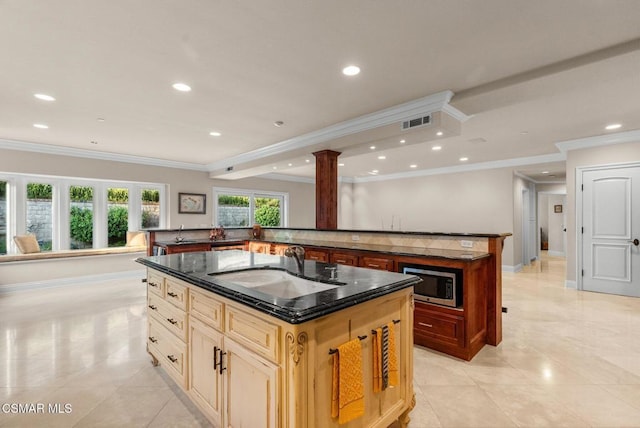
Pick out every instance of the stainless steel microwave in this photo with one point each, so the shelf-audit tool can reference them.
(437, 286)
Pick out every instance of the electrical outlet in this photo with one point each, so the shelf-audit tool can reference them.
(466, 244)
(355, 237)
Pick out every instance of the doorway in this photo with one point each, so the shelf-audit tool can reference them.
(609, 229)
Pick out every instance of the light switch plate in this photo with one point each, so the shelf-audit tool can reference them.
(466, 244)
(355, 237)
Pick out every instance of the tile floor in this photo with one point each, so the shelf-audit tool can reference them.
(568, 359)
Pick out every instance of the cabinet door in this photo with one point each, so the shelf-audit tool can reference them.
(380, 263)
(205, 381)
(251, 389)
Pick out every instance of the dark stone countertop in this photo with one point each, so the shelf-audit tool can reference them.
(217, 242)
(358, 284)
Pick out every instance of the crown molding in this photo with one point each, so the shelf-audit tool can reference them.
(599, 140)
(90, 154)
(428, 104)
(526, 177)
(298, 179)
(557, 157)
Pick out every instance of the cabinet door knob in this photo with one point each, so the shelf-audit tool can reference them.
(153, 339)
(172, 358)
(152, 307)
(153, 284)
(425, 324)
(172, 294)
(172, 321)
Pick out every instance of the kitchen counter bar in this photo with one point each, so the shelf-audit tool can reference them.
(358, 285)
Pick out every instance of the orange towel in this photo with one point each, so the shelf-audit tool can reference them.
(377, 364)
(393, 357)
(347, 388)
(392, 368)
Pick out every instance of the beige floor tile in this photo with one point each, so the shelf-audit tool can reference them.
(568, 358)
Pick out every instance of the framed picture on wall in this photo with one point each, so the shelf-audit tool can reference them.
(557, 208)
(192, 203)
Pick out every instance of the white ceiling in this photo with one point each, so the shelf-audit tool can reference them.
(529, 73)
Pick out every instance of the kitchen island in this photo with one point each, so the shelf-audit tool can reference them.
(250, 343)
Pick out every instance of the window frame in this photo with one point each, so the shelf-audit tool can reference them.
(252, 194)
(61, 207)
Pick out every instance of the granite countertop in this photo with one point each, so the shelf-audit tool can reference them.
(395, 250)
(351, 286)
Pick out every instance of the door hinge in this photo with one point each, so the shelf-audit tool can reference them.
(582, 187)
(582, 230)
(582, 272)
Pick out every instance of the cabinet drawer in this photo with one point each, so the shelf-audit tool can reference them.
(438, 326)
(379, 263)
(254, 332)
(187, 248)
(206, 309)
(155, 284)
(279, 250)
(260, 247)
(317, 255)
(176, 293)
(168, 316)
(344, 259)
(170, 352)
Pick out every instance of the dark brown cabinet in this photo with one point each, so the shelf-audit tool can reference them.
(375, 262)
(187, 248)
(317, 255)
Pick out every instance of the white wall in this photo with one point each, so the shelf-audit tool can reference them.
(301, 195)
(556, 225)
(604, 155)
(475, 201)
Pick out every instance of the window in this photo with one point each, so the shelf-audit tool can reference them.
(117, 216)
(150, 208)
(40, 213)
(73, 213)
(242, 208)
(80, 217)
(3, 217)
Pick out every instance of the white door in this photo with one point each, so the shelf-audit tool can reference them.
(611, 222)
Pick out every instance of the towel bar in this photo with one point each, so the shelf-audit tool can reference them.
(333, 351)
(394, 321)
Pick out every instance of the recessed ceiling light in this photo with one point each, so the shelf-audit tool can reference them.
(402, 141)
(44, 97)
(275, 167)
(351, 70)
(439, 133)
(413, 166)
(215, 134)
(382, 157)
(524, 132)
(613, 126)
(100, 119)
(464, 159)
(40, 126)
(372, 147)
(375, 171)
(290, 164)
(278, 123)
(307, 160)
(182, 87)
(340, 164)
(545, 172)
(436, 148)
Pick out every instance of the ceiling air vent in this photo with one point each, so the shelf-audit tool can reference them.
(418, 121)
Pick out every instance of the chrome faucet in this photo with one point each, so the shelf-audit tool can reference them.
(297, 252)
(179, 238)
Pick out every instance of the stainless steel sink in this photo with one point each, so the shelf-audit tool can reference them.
(275, 282)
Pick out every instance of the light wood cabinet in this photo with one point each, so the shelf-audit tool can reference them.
(244, 368)
(251, 388)
(206, 384)
(317, 255)
(260, 247)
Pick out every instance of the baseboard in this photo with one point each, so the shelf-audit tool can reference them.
(60, 282)
(570, 284)
(512, 269)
